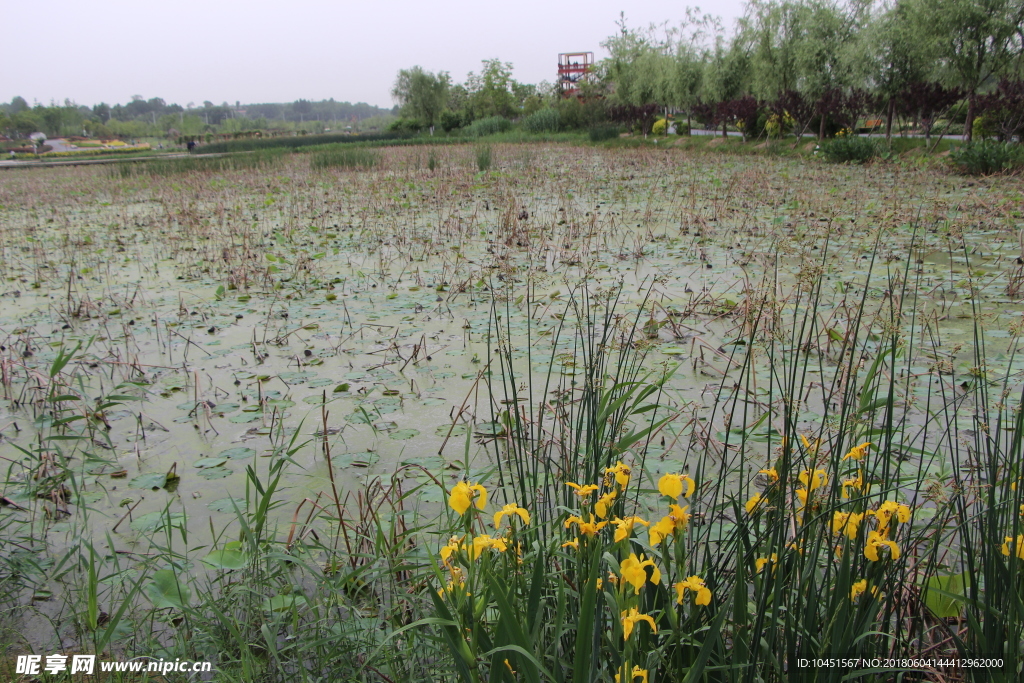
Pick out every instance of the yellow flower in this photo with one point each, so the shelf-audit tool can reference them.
(858, 588)
(858, 452)
(462, 495)
(483, 542)
(511, 509)
(677, 519)
(760, 562)
(695, 584)
(801, 494)
(604, 503)
(813, 479)
(754, 503)
(574, 544)
(620, 472)
(772, 474)
(1018, 546)
(671, 485)
(858, 484)
(813, 449)
(582, 491)
(632, 570)
(454, 545)
(586, 528)
(630, 618)
(875, 541)
(623, 527)
(636, 673)
(457, 582)
(847, 523)
(885, 512)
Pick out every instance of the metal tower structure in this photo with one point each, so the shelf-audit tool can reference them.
(573, 67)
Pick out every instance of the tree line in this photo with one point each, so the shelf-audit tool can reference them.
(155, 117)
(798, 66)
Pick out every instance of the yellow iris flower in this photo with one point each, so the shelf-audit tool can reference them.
(630, 619)
(604, 504)
(857, 484)
(1018, 546)
(754, 503)
(676, 519)
(771, 473)
(695, 584)
(511, 509)
(847, 523)
(635, 674)
(674, 485)
(586, 528)
(887, 510)
(875, 541)
(463, 494)
(623, 527)
(858, 452)
(620, 473)
(813, 479)
(633, 570)
(760, 562)
(582, 491)
(484, 542)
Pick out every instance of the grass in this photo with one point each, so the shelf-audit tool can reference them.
(708, 345)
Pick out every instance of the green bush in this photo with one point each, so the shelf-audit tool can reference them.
(404, 125)
(659, 127)
(987, 157)
(359, 158)
(488, 126)
(546, 120)
(599, 133)
(848, 149)
(450, 120)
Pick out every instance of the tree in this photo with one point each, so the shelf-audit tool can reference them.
(422, 94)
(977, 40)
(18, 105)
(492, 91)
(898, 57)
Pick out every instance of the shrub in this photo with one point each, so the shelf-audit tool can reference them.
(546, 120)
(987, 157)
(981, 128)
(450, 120)
(488, 126)
(599, 133)
(659, 127)
(403, 125)
(848, 149)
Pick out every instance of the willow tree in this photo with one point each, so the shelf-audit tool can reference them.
(977, 41)
(421, 94)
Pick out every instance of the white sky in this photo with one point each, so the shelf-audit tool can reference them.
(259, 51)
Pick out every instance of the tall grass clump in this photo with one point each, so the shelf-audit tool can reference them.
(358, 158)
(488, 126)
(848, 149)
(483, 158)
(987, 157)
(547, 120)
(818, 511)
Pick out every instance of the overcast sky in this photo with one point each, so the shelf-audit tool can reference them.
(260, 51)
